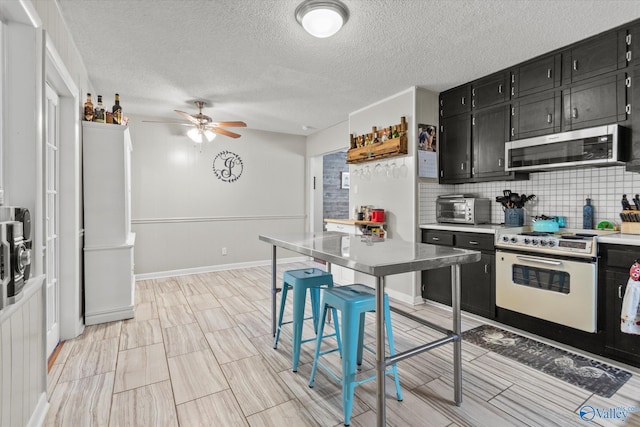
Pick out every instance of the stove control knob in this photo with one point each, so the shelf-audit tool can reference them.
(534, 241)
(526, 241)
(514, 240)
(543, 243)
(505, 239)
(552, 243)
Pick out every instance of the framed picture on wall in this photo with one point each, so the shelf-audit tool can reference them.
(344, 180)
(427, 156)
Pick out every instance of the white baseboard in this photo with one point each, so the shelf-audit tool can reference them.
(109, 316)
(210, 268)
(40, 412)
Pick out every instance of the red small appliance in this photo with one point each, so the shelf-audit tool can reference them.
(377, 215)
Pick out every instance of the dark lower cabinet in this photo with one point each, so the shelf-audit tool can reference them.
(622, 345)
(615, 264)
(477, 281)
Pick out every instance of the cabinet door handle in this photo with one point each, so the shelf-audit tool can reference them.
(620, 291)
(463, 100)
(473, 242)
(461, 166)
(500, 88)
(575, 64)
(548, 73)
(549, 118)
(499, 162)
(574, 113)
(486, 269)
(435, 239)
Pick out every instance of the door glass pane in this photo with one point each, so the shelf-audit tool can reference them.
(541, 278)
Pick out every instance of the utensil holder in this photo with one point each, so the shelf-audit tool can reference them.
(514, 217)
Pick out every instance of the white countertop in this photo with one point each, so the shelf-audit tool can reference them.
(472, 228)
(621, 239)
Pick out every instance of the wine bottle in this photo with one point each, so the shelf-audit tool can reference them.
(117, 111)
(99, 111)
(88, 109)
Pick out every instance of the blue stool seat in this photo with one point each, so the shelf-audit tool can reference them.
(354, 301)
(301, 281)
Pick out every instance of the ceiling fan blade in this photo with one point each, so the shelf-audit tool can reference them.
(224, 132)
(168, 122)
(230, 124)
(188, 116)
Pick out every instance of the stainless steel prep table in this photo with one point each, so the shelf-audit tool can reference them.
(380, 259)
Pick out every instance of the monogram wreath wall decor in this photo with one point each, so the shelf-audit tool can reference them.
(227, 166)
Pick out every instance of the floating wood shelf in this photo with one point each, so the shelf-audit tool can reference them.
(379, 150)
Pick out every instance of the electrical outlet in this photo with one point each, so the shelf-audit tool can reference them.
(224, 251)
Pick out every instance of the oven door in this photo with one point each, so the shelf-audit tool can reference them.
(562, 291)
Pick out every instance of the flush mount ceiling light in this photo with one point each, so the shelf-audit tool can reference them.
(198, 135)
(322, 18)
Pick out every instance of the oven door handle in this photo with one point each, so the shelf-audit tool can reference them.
(540, 260)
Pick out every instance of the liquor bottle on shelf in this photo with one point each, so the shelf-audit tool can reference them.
(99, 115)
(88, 109)
(117, 111)
(390, 133)
(395, 132)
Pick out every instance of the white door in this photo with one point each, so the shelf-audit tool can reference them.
(51, 206)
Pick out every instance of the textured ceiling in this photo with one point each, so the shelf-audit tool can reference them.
(252, 61)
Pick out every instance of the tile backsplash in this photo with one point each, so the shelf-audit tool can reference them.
(557, 193)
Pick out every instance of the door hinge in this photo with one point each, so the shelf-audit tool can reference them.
(628, 39)
(473, 121)
(422, 287)
(628, 56)
(441, 128)
(473, 103)
(473, 171)
(627, 108)
(513, 78)
(627, 81)
(513, 132)
(513, 111)
(513, 91)
(441, 173)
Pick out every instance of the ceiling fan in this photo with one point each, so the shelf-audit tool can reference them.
(203, 126)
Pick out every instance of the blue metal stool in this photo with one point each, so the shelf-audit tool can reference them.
(311, 279)
(353, 301)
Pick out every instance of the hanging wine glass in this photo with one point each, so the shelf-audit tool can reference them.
(404, 169)
(395, 171)
(377, 170)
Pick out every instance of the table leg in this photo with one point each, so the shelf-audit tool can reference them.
(457, 329)
(274, 291)
(380, 353)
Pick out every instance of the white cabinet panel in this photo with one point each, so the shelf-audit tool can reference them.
(108, 241)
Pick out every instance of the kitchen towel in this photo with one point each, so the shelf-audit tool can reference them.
(630, 315)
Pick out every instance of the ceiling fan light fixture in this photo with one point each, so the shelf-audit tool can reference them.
(322, 18)
(198, 135)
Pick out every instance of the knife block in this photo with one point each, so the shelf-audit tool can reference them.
(630, 227)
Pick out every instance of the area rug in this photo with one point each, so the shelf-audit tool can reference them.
(596, 377)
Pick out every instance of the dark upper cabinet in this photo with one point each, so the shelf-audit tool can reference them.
(598, 102)
(455, 148)
(535, 115)
(596, 56)
(634, 164)
(490, 91)
(490, 132)
(536, 76)
(455, 101)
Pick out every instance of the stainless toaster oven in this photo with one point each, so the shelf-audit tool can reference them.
(463, 209)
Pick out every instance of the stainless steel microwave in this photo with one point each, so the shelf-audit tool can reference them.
(598, 146)
(463, 209)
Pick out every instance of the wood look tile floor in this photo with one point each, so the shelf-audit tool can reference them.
(200, 353)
